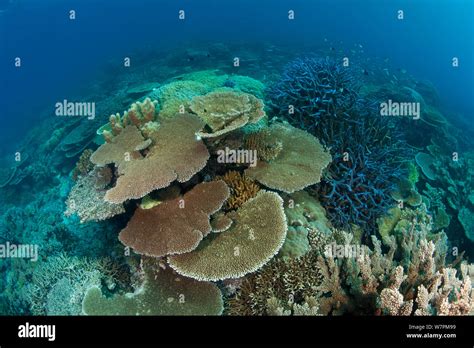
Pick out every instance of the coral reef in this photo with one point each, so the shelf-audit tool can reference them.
(86, 200)
(426, 162)
(83, 165)
(176, 154)
(299, 164)
(175, 226)
(162, 293)
(142, 115)
(257, 234)
(241, 189)
(224, 112)
(59, 284)
(322, 97)
(124, 147)
(264, 144)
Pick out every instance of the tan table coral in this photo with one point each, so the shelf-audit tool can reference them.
(176, 154)
(257, 234)
(175, 226)
(224, 112)
(299, 163)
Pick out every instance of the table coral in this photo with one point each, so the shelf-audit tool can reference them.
(299, 164)
(176, 154)
(122, 148)
(224, 112)
(257, 234)
(175, 226)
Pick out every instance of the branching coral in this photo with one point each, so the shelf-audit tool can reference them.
(284, 282)
(176, 154)
(224, 112)
(241, 188)
(163, 292)
(321, 97)
(59, 284)
(175, 226)
(258, 232)
(311, 90)
(299, 164)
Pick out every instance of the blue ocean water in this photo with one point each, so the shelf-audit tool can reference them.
(60, 56)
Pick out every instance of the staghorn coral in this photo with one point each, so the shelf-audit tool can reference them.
(163, 292)
(321, 96)
(124, 147)
(299, 164)
(175, 226)
(264, 144)
(86, 200)
(224, 112)
(241, 189)
(176, 154)
(258, 232)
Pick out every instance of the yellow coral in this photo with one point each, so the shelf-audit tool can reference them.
(241, 188)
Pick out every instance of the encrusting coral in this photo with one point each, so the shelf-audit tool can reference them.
(257, 234)
(175, 226)
(299, 164)
(163, 292)
(224, 112)
(241, 188)
(176, 154)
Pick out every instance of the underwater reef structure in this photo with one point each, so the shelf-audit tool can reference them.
(321, 96)
(191, 232)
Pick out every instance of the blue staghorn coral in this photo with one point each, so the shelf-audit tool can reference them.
(321, 96)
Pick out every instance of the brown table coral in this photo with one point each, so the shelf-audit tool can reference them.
(175, 226)
(299, 164)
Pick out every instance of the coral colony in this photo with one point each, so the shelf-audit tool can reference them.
(218, 194)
